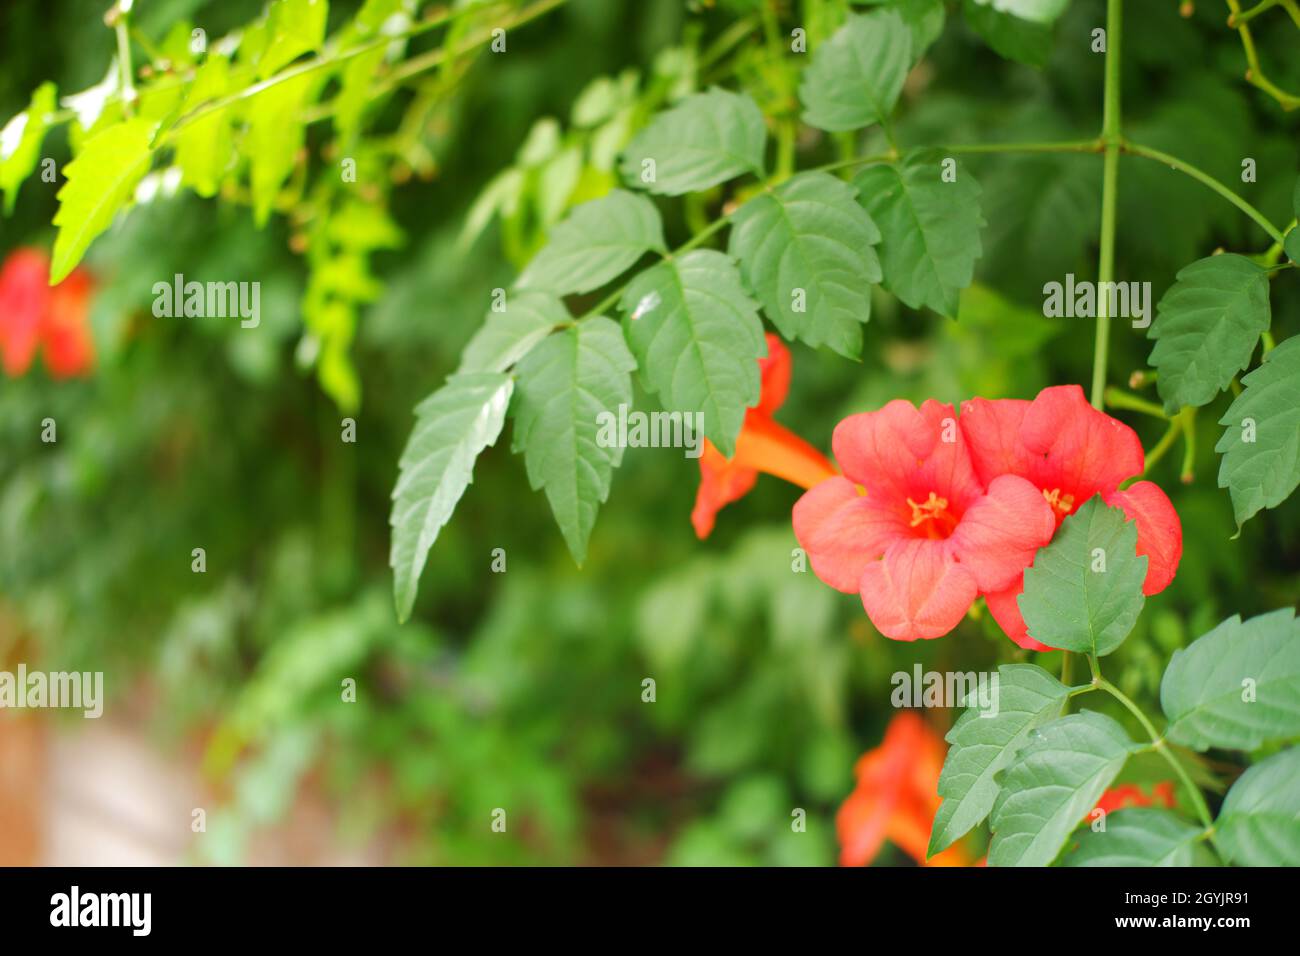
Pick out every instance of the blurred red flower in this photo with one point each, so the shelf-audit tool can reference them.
(33, 314)
(896, 797)
(1131, 795)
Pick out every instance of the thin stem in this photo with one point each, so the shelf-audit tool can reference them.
(1159, 743)
(1188, 416)
(121, 27)
(1116, 397)
(1044, 146)
(1174, 162)
(1164, 444)
(1236, 19)
(1111, 138)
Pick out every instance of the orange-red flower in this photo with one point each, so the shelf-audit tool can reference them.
(1070, 451)
(896, 797)
(762, 445)
(34, 315)
(933, 511)
(911, 527)
(1131, 795)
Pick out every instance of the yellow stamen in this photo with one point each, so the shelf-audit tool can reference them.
(1059, 502)
(932, 508)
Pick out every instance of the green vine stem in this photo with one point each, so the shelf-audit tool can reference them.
(1162, 747)
(1111, 137)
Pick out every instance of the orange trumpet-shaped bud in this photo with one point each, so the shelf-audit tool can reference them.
(762, 446)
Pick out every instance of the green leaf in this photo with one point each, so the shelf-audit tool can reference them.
(1141, 836)
(20, 143)
(565, 385)
(506, 337)
(1206, 328)
(296, 27)
(1261, 443)
(924, 19)
(204, 146)
(856, 76)
(1036, 11)
(275, 135)
(1084, 590)
(704, 140)
(980, 747)
(930, 228)
(1259, 823)
(806, 249)
(453, 425)
(1055, 780)
(1237, 687)
(100, 181)
(599, 241)
(1025, 41)
(698, 339)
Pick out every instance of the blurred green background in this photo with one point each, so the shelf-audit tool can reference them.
(523, 689)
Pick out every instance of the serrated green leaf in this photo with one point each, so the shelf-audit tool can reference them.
(856, 76)
(1035, 11)
(204, 146)
(980, 747)
(275, 135)
(704, 140)
(1054, 781)
(1259, 822)
(20, 143)
(698, 339)
(101, 180)
(1206, 327)
(565, 384)
(506, 337)
(599, 241)
(453, 425)
(806, 249)
(1261, 443)
(930, 228)
(924, 19)
(1010, 36)
(294, 27)
(1237, 687)
(1084, 590)
(1141, 836)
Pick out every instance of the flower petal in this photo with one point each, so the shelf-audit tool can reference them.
(917, 591)
(901, 451)
(1083, 451)
(992, 430)
(721, 482)
(843, 531)
(999, 534)
(1160, 533)
(1004, 607)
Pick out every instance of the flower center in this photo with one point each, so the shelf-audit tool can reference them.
(1062, 504)
(932, 516)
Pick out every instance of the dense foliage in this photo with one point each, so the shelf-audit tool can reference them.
(499, 220)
